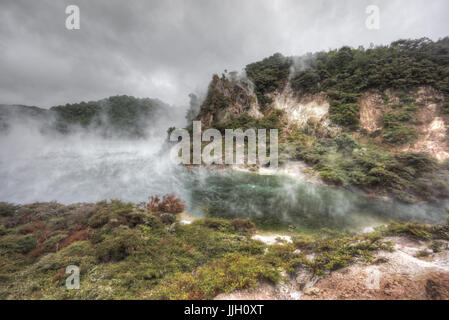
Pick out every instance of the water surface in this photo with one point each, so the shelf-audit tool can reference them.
(88, 169)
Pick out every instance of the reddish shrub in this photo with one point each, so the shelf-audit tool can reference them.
(169, 204)
(25, 219)
(28, 229)
(60, 276)
(80, 235)
(38, 228)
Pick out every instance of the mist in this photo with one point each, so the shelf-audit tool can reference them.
(38, 163)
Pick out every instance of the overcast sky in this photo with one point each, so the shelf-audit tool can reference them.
(168, 48)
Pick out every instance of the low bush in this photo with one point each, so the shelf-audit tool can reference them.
(417, 231)
(122, 243)
(235, 271)
(169, 204)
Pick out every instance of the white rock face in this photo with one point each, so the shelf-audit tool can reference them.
(430, 127)
(300, 110)
(433, 139)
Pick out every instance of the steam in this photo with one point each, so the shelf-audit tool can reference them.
(283, 199)
(38, 164)
(301, 63)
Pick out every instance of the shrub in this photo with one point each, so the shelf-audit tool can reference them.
(268, 75)
(399, 135)
(410, 229)
(80, 235)
(99, 219)
(224, 275)
(243, 225)
(7, 209)
(345, 114)
(397, 125)
(216, 224)
(19, 244)
(166, 218)
(118, 246)
(331, 176)
(169, 204)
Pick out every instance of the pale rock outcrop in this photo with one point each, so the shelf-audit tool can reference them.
(300, 110)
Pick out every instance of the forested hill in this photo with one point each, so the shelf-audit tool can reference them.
(345, 73)
(117, 115)
(373, 118)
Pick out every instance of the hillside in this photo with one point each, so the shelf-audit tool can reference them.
(124, 116)
(371, 120)
(375, 119)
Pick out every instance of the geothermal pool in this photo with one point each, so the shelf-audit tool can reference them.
(88, 169)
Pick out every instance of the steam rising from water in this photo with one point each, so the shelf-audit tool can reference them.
(86, 168)
(81, 167)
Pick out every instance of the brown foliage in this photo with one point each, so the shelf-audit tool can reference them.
(169, 204)
(38, 228)
(37, 252)
(244, 225)
(60, 276)
(80, 235)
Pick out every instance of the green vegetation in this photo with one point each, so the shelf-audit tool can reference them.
(272, 121)
(418, 231)
(348, 72)
(114, 115)
(215, 100)
(334, 250)
(124, 116)
(268, 75)
(345, 74)
(344, 108)
(344, 161)
(9, 113)
(235, 271)
(398, 125)
(125, 251)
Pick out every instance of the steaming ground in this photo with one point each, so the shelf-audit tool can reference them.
(83, 167)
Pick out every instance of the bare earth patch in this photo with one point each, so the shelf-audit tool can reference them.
(396, 275)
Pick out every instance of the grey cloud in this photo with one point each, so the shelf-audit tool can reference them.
(167, 49)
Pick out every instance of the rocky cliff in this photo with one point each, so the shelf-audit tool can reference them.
(231, 99)
(373, 119)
